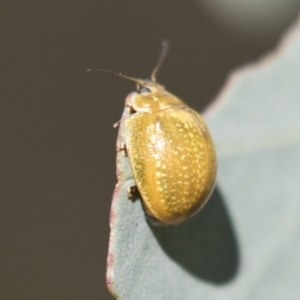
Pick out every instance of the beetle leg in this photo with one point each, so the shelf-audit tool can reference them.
(131, 189)
(123, 149)
(130, 109)
(117, 124)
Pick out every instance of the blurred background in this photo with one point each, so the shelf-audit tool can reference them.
(57, 140)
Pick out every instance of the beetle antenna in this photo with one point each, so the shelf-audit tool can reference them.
(138, 81)
(164, 51)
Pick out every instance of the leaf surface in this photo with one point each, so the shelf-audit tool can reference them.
(245, 243)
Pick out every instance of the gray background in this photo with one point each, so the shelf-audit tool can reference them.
(57, 141)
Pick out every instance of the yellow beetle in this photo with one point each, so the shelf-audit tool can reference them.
(170, 150)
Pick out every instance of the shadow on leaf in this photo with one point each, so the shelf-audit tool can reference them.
(205, 245)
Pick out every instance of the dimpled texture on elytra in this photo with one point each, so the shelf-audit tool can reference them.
(173, 162)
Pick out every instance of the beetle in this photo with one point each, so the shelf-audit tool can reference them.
(170, 150)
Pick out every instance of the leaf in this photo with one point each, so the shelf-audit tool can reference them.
(245, 243)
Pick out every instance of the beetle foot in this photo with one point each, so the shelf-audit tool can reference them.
(117, 124)
(131, 189)
(123, 149)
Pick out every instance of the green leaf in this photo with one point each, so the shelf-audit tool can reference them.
(245, 243)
